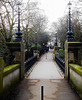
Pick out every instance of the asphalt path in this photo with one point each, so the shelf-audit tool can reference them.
(45, 82)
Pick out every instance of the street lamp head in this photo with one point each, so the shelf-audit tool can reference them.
(19, 3)
(69, 5)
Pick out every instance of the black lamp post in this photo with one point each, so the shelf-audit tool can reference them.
(70, 33)
(36, 39)
(56, 40)
(19, 37)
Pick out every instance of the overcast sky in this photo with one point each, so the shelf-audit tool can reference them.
(53, 9)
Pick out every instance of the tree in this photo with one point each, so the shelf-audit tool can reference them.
(77, 22)
(33, 22)
(7, 18)
(60, 28)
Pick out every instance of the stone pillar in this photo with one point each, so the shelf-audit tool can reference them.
(54, 53)
(18, 48)
(1, 75)
(22, 60)
(56, 49)
(66, 59)
(73, 55)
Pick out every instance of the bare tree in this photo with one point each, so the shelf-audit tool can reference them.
(32, 22)
(7, 18)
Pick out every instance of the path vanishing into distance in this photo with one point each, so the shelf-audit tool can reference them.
(45, 82)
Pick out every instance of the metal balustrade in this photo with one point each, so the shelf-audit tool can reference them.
(61, 63)
(30, 62)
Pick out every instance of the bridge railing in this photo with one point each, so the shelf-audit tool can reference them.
(60, 62)
(28, 63)
(59, 57)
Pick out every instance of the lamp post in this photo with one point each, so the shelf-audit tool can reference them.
(36, 39)
(56, 44)
(19, 37)
(56, 40)
(70, 33)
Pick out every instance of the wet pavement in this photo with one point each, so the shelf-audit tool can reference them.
(45, 73)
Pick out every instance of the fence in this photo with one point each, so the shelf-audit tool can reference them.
(30, 62)
(60, 62)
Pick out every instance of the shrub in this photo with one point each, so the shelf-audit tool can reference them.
(5, 53)
(61, 53)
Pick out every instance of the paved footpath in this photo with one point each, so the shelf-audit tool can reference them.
(45, 73)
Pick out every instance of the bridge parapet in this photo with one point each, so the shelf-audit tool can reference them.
(73, 65)
(75, 77)
(17, 49)
(1, 74)
(12, 74)
(73, 55)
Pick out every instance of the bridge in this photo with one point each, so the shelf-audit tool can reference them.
(47, 75)
(44, 80)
